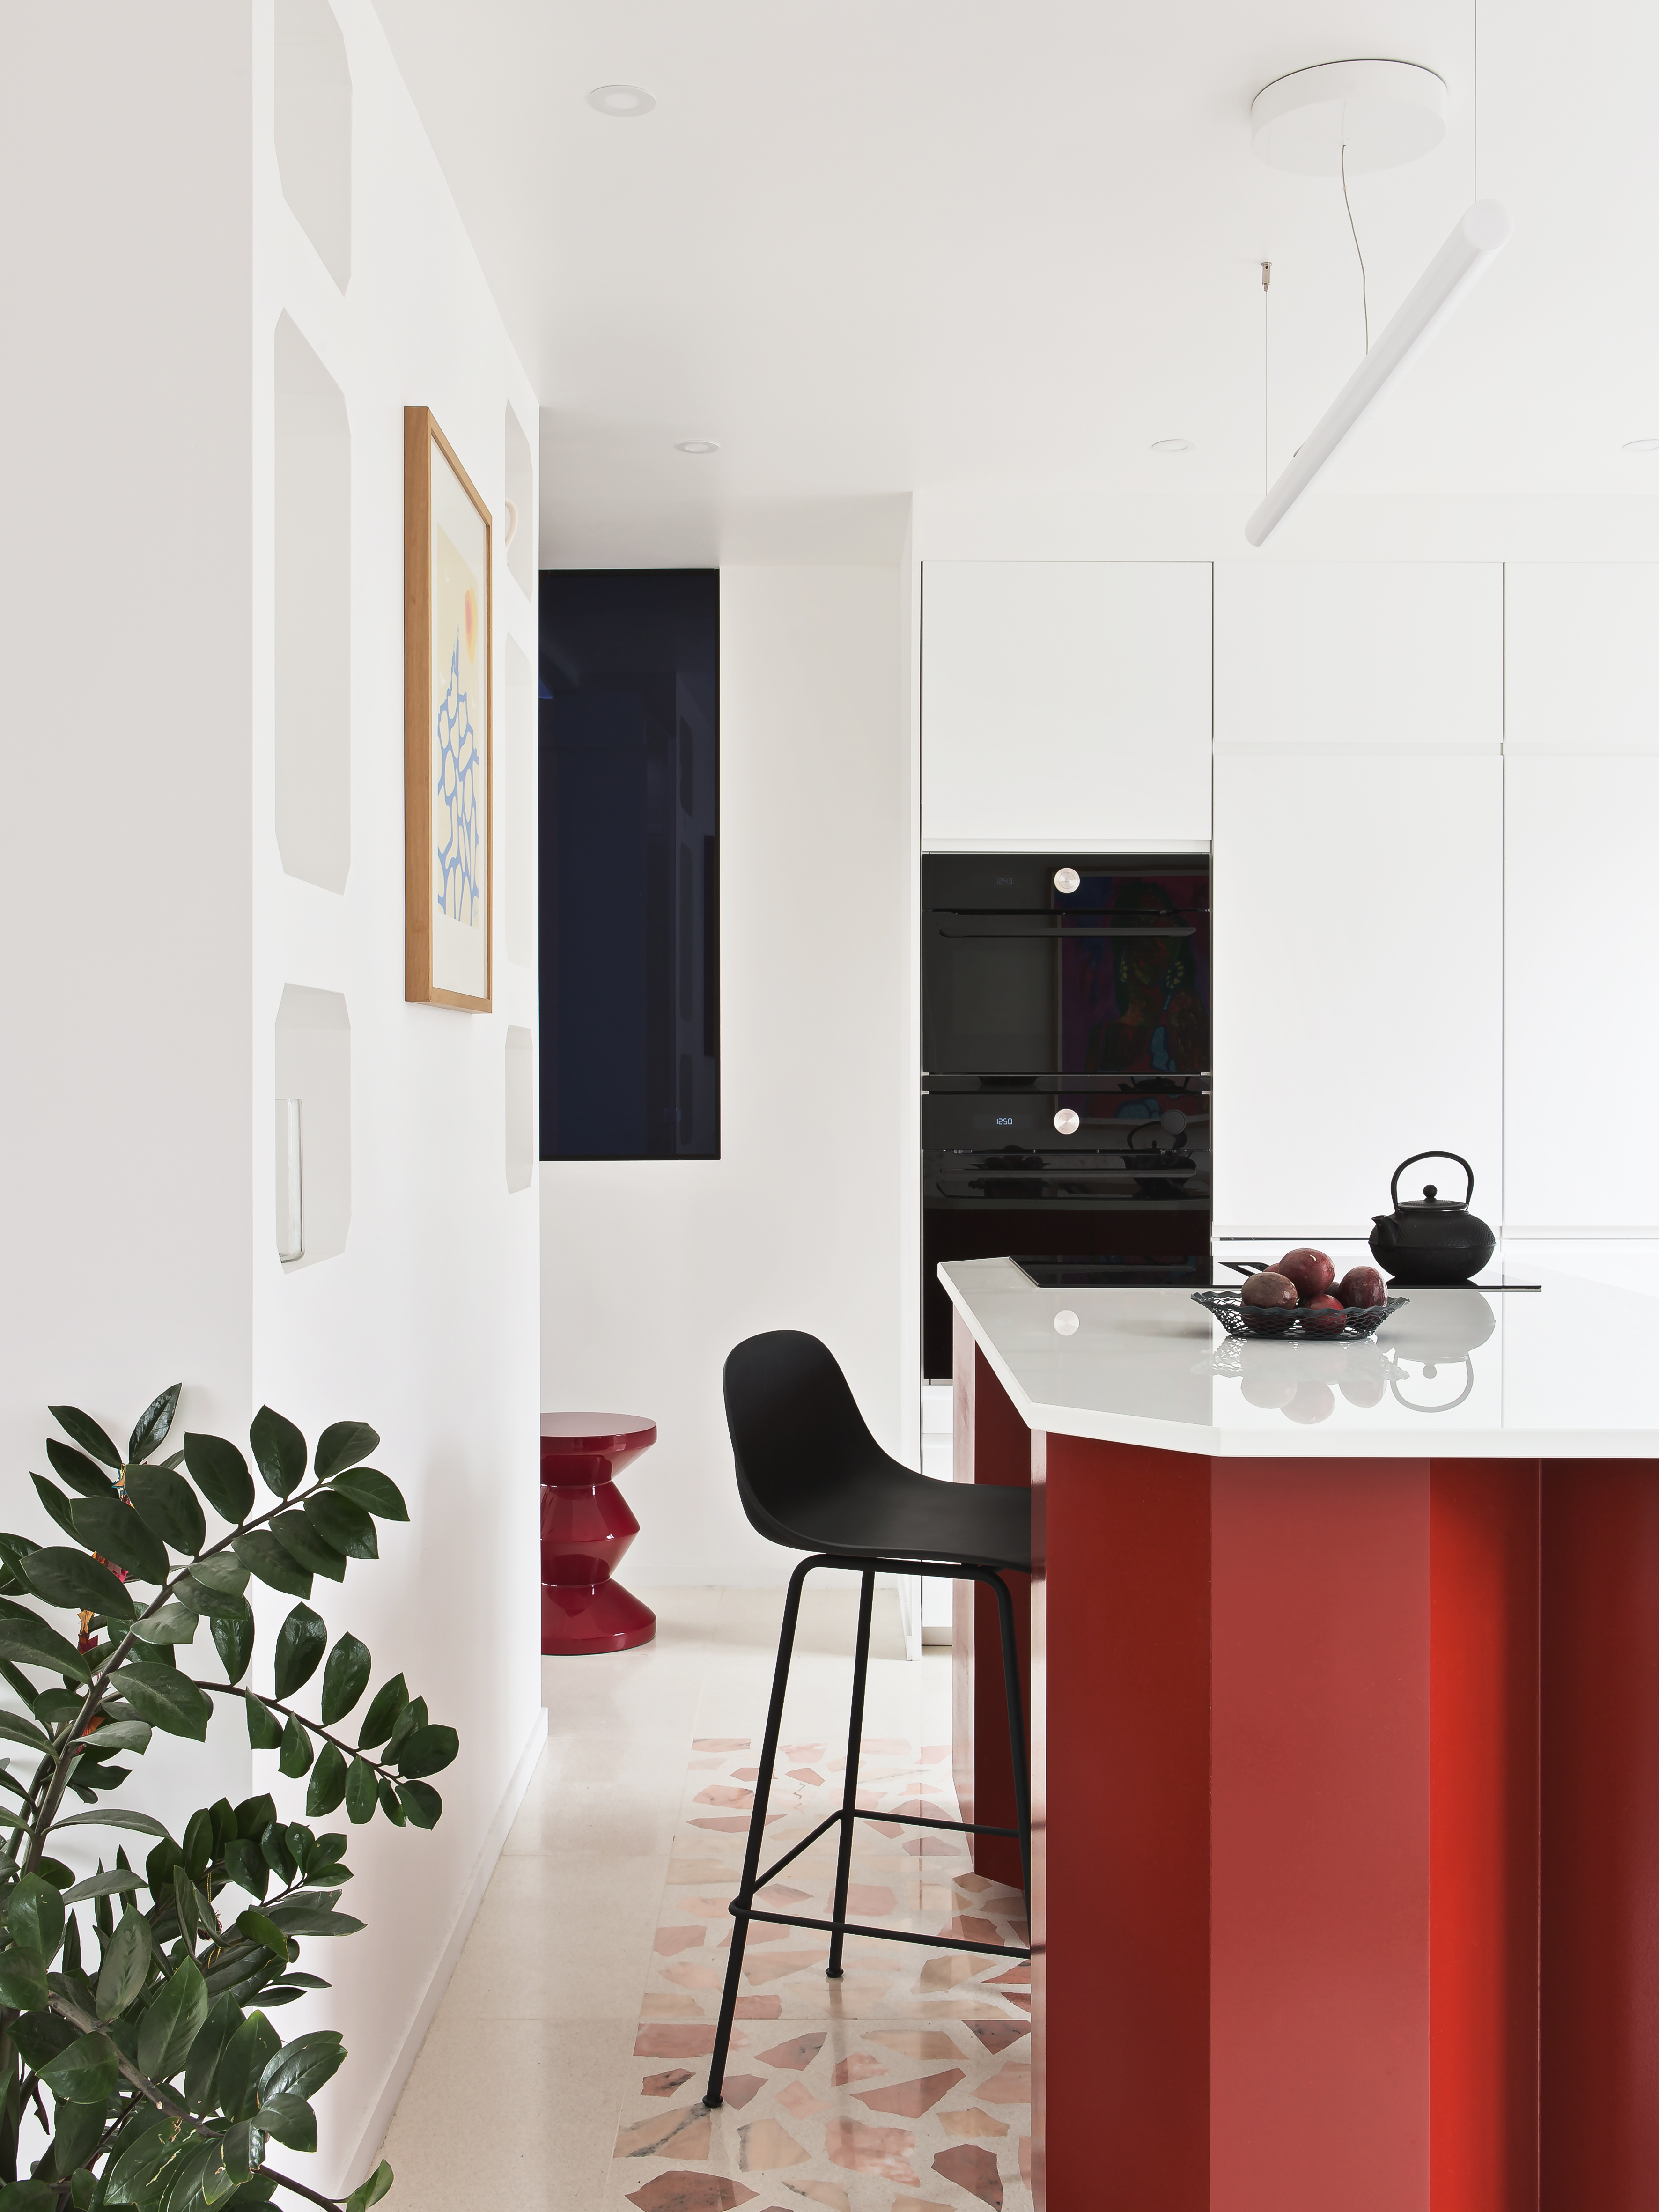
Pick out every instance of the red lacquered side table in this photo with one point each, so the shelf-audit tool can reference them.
(586, 1526)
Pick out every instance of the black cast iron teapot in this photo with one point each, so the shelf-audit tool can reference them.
(1431, 1239)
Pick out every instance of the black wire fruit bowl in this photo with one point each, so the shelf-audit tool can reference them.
(1311, 1324)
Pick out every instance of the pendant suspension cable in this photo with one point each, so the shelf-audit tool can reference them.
(1365, 303)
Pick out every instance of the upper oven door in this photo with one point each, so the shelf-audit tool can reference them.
(1026, 973)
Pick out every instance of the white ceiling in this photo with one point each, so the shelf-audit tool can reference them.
(898, 245)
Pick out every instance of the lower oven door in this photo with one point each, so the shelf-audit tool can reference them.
(1119, 1169)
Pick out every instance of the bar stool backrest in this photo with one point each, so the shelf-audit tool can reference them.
(798, 1439)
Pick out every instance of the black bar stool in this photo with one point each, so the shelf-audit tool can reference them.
(812, 1477)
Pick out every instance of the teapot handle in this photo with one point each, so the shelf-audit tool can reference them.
(1394, 1187)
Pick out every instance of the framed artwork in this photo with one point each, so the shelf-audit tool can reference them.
(447, 750)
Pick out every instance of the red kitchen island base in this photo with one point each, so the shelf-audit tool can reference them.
(586, 1527)
(1345, 1798)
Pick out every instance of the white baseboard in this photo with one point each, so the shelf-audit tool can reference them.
(367, 2154)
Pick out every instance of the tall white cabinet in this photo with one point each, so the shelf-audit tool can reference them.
(1581, 904)
(1358, 887)
(1066, 702)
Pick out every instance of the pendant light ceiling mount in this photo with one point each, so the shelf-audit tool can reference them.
(1384, 112)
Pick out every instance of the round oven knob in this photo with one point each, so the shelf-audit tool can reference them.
(1066, 1122)
(1066, 881)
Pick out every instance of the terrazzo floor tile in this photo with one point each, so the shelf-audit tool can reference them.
(903, 2087)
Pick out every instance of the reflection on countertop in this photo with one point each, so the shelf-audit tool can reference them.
(1302, 1381)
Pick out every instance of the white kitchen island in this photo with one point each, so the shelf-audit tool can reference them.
(1344, 1677)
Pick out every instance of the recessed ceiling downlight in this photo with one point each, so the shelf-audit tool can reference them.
(623, 100)
(696, 446)
(1172, 445)
(1642, 445)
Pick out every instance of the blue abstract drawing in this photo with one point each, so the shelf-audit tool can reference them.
(458, 829)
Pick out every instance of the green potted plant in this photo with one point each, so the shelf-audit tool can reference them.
(135, 2004)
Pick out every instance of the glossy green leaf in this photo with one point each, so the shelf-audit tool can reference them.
(58, 1503)
(279, 1452)
(274, 1844)
(111, 1736)
(32, 1643)
(301, 2068)
(375, 1493)
(150, 1431)
(308, 1916)
(342, 1525)
(328, 1781)
(28, 2196)
(164, 1698)
(148, 2160)
(413, 1717)
(126, 1963)
(187, 2192)
(23, 1978)
(172, 2021)
(114, 1530)
(111, 1884)
(74, 1468)
(390, 1804)
(76, 2128)
(245, 1864)
(296, 1752)
(265, 1730)
(341, 1445)
(372, 2191)
(259, 1929)
(272, 1562)
(233, 1641)
(427, 1751)
(381, 1718)
(424, 1807)
(344, 1679)
(166, 1504)
(118, 1816)
(255, 1814)
(64, 1577)
(85, 1433)
(199, 1841)
(220, 1472)
(169, 1624)
(217, 1605)
(35, 1914)
(236, 2156)
(301, 1642)
(221, 1571)
(22, 1731)
(301, 1540)
(289, 2120)
(88, 2071)
(360, 1792)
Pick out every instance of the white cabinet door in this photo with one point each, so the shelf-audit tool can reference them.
(1582, 652)
(1582, 1026)
(1066, 702)
(1360, 653)
(1358, 982)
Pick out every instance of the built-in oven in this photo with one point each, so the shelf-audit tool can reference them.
(1066, 1086)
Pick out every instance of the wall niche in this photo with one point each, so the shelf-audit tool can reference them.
(313, 616)
(313, 129)
(313, 1066)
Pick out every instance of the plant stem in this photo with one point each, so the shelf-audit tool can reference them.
(275, 1705)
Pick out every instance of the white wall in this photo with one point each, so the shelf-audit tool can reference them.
(654, 1269)
(155, 929)
(426, 1323)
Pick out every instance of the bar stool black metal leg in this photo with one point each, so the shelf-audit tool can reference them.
(1016, 1731)
(756, 1832)
(850, 1788)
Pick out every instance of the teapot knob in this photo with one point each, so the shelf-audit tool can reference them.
(1429, 1190)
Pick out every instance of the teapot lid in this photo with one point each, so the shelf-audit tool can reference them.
(1432, 1202)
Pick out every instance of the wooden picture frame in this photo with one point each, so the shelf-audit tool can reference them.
(449, 751)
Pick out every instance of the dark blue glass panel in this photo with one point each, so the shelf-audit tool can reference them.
(630, 830)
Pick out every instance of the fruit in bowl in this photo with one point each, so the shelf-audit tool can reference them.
(1324, 1315)
(1312, 1271)
(1269, 1301)
(1363, 1286)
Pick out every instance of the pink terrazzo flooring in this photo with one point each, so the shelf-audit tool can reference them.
(903, 2087)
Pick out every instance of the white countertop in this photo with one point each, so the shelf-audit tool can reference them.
(1565, 1372)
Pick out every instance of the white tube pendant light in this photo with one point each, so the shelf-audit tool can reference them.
(1477, 238)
